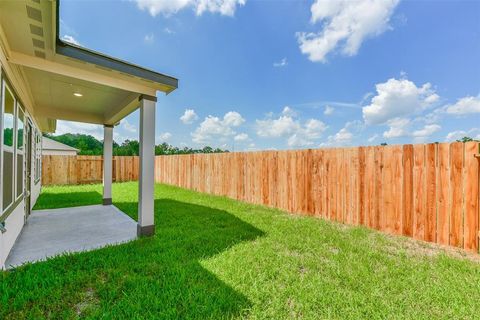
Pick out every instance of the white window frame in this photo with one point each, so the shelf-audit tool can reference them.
(1, 140)
(38, 156)
(5, 86)
(18, 151)
(34, 153)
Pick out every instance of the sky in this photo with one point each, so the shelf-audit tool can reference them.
(258, 75)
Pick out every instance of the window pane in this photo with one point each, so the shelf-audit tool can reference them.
(19, 175)
(8, 119)
(19, 156)
(20, 127)
(7, 179)
(34, 156)
(7, 170)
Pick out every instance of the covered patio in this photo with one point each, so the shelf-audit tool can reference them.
(53, 232)
(56, 80)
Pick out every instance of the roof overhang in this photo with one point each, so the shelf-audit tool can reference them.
(65, 81)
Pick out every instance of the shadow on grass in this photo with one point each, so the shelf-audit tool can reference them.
(67, 200)
(156, 277)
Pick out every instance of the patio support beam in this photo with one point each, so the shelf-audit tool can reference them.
(146, 226)
(107, 164)
(77, 71)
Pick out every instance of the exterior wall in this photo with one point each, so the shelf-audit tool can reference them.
(16, 219)
(14, 224)
(47, 152)
(36, 188)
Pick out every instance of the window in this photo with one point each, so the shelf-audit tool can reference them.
(38, 156)
(8, 108)
(12, 129)
(20, 149)
(34, 154)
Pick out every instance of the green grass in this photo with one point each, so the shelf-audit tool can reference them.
(216, 258)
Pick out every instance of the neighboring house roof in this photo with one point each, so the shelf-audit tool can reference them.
(49, 144)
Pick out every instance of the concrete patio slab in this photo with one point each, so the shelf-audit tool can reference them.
(51, 232)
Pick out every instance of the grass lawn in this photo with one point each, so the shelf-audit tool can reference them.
(217, 258)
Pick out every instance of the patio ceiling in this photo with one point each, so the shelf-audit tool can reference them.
(55, 97)
(65, 81)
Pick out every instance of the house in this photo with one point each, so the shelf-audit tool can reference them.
(54, 148)
(44, 79)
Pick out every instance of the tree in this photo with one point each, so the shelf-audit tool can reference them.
(127, 148)
(89, 145)
(467, 139)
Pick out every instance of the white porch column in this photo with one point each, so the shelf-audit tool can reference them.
(146, 226)
(107, 164)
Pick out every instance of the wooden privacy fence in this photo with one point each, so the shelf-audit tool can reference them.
(58, 170)
(427, 191)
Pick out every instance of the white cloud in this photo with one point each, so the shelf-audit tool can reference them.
(167, 30)
(70, 39)
(164, 137)
(345, 25)
(454, 135)
(345, 135)
(305, 136)
(233, 119)
(128, 126)
(189, 116)
(281, 63)
(297, 140)
(341, 138)
(465, 105)
(149, 38)
(125, 131)
(289, 112)
(272, 128)
(398, 98)
(373, 138)
(313, 129)
(288, 125)
(402, 127)
(241, 137)
(398, 128)
(169, 7)
(328, 110)
(94, 130)
(457, 135)
(427, 130)
(214, 129)
(251, 147)
(432, 117)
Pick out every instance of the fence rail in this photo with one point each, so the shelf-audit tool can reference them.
(427, 191)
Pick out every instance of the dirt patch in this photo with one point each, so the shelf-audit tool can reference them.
(88, 301)
(302, 270)
(415, 247)
(294, 314)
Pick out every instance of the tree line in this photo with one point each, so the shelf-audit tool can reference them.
(89, 145)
